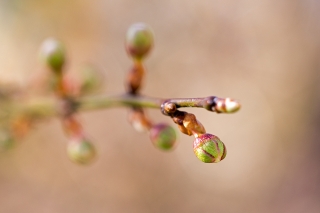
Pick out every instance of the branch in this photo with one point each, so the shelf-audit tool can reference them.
(48, 107)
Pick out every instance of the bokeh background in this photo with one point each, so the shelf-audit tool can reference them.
(264, 53)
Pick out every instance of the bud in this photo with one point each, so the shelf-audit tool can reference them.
(163, 136)
(168, 108)
(209, 148)
(6, 140)
(227, 105)
(91, 80)
(81, 151)
(139, 40)
(53, 53)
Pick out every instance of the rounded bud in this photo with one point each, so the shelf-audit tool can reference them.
(168, 108)
(81, 151)
(163, 136)
(139, 40)
(53, 53)
(226, 105)
(209, 148)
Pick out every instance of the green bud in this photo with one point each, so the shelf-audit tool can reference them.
(81, 151)
(6, 140)
(91, 80)
(209, 148)
(139, 40)
(163, 136)
(53, 54)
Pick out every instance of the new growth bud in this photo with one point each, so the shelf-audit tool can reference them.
(53, 53)
(209, 148)
(91, 80)
(139, 40)
(81, 151)
(163, 136)
(227, 105)
(6, 140)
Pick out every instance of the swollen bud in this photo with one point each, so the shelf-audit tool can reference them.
(53, 53)
(209, 148)
(163, 136)
(81, 151)
(226, 105)
(139, 40)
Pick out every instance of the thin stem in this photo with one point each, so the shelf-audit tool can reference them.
(191, 102)
(127, 100)
(48, 108)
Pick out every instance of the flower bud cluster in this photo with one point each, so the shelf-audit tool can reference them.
(79, 148)
(207, 147)
(139, 42)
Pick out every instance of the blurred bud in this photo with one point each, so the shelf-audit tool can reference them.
(53, 53)
(139, 40)
(6, 140)
(192, 124)
(163, 136)
(91, 80)
(135, 77)
(138, 120)
(227, 105)
(81, 151)
(209, 148)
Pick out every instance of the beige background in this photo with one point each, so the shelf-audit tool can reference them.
(264, 53)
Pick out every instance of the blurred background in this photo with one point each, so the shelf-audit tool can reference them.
(263, 53)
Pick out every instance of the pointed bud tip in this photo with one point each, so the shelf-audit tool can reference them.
(232, 105)
(227, 105)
